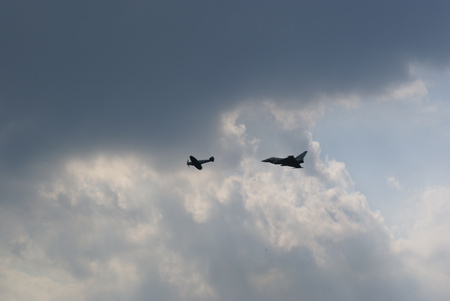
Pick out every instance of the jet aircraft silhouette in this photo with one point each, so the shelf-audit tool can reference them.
(198, 163)
(288, 161)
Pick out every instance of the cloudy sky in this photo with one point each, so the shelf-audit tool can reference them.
(102, 102)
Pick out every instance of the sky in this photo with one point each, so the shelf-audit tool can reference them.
(102, 102)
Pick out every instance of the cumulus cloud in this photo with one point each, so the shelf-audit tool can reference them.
(424, 247)
(114, 227)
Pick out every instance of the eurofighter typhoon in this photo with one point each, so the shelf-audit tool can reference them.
(288, 161)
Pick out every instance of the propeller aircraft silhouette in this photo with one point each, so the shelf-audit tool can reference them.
(198, 163)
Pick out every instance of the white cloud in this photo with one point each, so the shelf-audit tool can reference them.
(19, 283)
(393, 182)
(292, 118)
(115, 227)
(411, 91)
(426, 248)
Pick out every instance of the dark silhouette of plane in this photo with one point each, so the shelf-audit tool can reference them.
(198, 163)
(288, 161)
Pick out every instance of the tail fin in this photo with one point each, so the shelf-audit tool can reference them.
(301, 156)
(211, 159)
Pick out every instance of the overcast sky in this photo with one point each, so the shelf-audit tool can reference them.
(102, 102)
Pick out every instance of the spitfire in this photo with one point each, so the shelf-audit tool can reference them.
(198, 163)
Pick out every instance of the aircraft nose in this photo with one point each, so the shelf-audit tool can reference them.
(265, 160)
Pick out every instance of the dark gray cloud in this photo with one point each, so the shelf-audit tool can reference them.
(95, 75)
